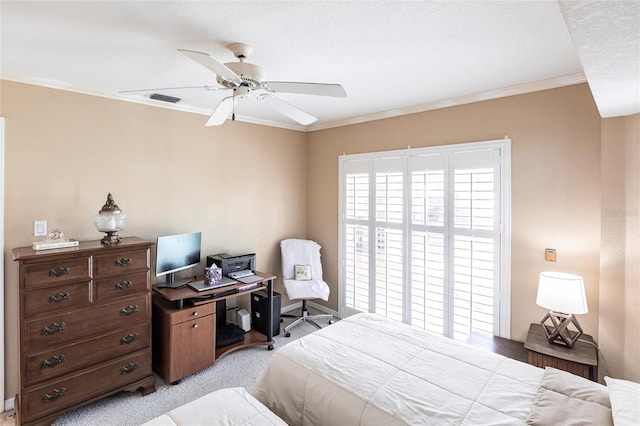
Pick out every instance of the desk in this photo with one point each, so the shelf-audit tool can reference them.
(184, 328)
(581, 360)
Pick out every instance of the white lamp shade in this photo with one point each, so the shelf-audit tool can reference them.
(562, 292)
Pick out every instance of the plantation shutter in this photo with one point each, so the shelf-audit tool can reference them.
(475, 241)
(389, 239)
(428, 242)
(422, 239)
(356, 188)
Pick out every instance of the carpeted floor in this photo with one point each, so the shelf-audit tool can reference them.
(239, 368)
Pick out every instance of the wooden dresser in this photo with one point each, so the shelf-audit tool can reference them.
(85, 326)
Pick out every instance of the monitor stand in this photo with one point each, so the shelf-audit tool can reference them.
(173, 283)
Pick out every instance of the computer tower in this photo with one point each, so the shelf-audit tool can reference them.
(259, 313)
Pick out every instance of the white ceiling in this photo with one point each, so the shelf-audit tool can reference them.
(392, 57)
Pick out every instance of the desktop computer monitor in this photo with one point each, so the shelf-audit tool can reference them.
(176, 253)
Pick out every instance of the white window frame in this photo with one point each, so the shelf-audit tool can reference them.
(503, 296)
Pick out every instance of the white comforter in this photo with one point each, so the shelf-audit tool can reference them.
(367, 370)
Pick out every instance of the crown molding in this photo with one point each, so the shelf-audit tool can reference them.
(519, 89)
(145, 101)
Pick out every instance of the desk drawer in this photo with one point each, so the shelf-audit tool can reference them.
(65, 392)
(121, 262)
(109, 288)
(188, 314)
(66, 327)
(62, 360)
(56, 272)
(53, 298)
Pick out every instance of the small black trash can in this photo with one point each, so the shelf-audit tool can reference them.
(259, 306)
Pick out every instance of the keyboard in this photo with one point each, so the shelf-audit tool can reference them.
(240, 274)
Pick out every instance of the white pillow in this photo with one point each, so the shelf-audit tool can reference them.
(302, 272)
(625, 401)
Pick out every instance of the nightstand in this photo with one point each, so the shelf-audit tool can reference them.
(500, 345)
(581, 360)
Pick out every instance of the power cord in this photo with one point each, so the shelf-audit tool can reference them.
(605, 366)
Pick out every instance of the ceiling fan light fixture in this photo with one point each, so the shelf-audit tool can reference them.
(250, 74)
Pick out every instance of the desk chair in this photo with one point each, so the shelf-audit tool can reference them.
(302, 276)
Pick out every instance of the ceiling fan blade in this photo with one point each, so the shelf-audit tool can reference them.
(288, 110)
(320, 89)
(221, 112)
(207, 88)
(209, 62)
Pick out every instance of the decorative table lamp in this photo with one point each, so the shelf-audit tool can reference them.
(110, 219)
(563, 294)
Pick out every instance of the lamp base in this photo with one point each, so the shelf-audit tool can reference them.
(111, 238)
(558, 332)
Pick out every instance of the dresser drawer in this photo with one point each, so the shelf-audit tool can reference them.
(62, 360)
(61, 329)
(53, 298)
(188, 314)
(73, 389)
(123, 285)
(56, 272)
(121, 262)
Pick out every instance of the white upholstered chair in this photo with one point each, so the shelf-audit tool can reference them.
(302, 276)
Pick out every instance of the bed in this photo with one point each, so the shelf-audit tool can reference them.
(367, 370)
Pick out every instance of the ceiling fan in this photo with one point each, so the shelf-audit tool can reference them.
(246, 81)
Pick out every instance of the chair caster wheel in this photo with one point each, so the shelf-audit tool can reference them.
(287, 334)
(270, 347)
(331, 321)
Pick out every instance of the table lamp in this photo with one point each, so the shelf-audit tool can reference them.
(563, 294)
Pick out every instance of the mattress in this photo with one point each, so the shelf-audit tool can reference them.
(368, 370)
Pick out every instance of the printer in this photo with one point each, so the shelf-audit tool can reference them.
(233, 263)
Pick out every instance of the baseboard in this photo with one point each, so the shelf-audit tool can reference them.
(322, 308)
(292, 307)
(9, 404)
(316, 306)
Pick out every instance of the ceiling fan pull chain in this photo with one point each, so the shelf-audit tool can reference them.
(233, 100)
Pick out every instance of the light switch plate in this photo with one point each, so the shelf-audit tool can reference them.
(39, 228)
(550, 255)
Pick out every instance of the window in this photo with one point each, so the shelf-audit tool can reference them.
(424, 237)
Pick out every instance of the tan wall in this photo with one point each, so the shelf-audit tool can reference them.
(555, 183)
(612, 258)
(65, 151)
(166, 170)
(620, 248)
(632, 249)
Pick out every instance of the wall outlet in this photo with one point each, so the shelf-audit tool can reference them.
(39, 228)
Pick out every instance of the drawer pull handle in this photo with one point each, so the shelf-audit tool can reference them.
(124, 285)
(59, 271)
(129, 310)
(195, 313)
(128, 339)
(122, 262)
(59, 297)
(195, 325)
(57, 393)
(54, 328)
(53, 361)
(127, 369)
